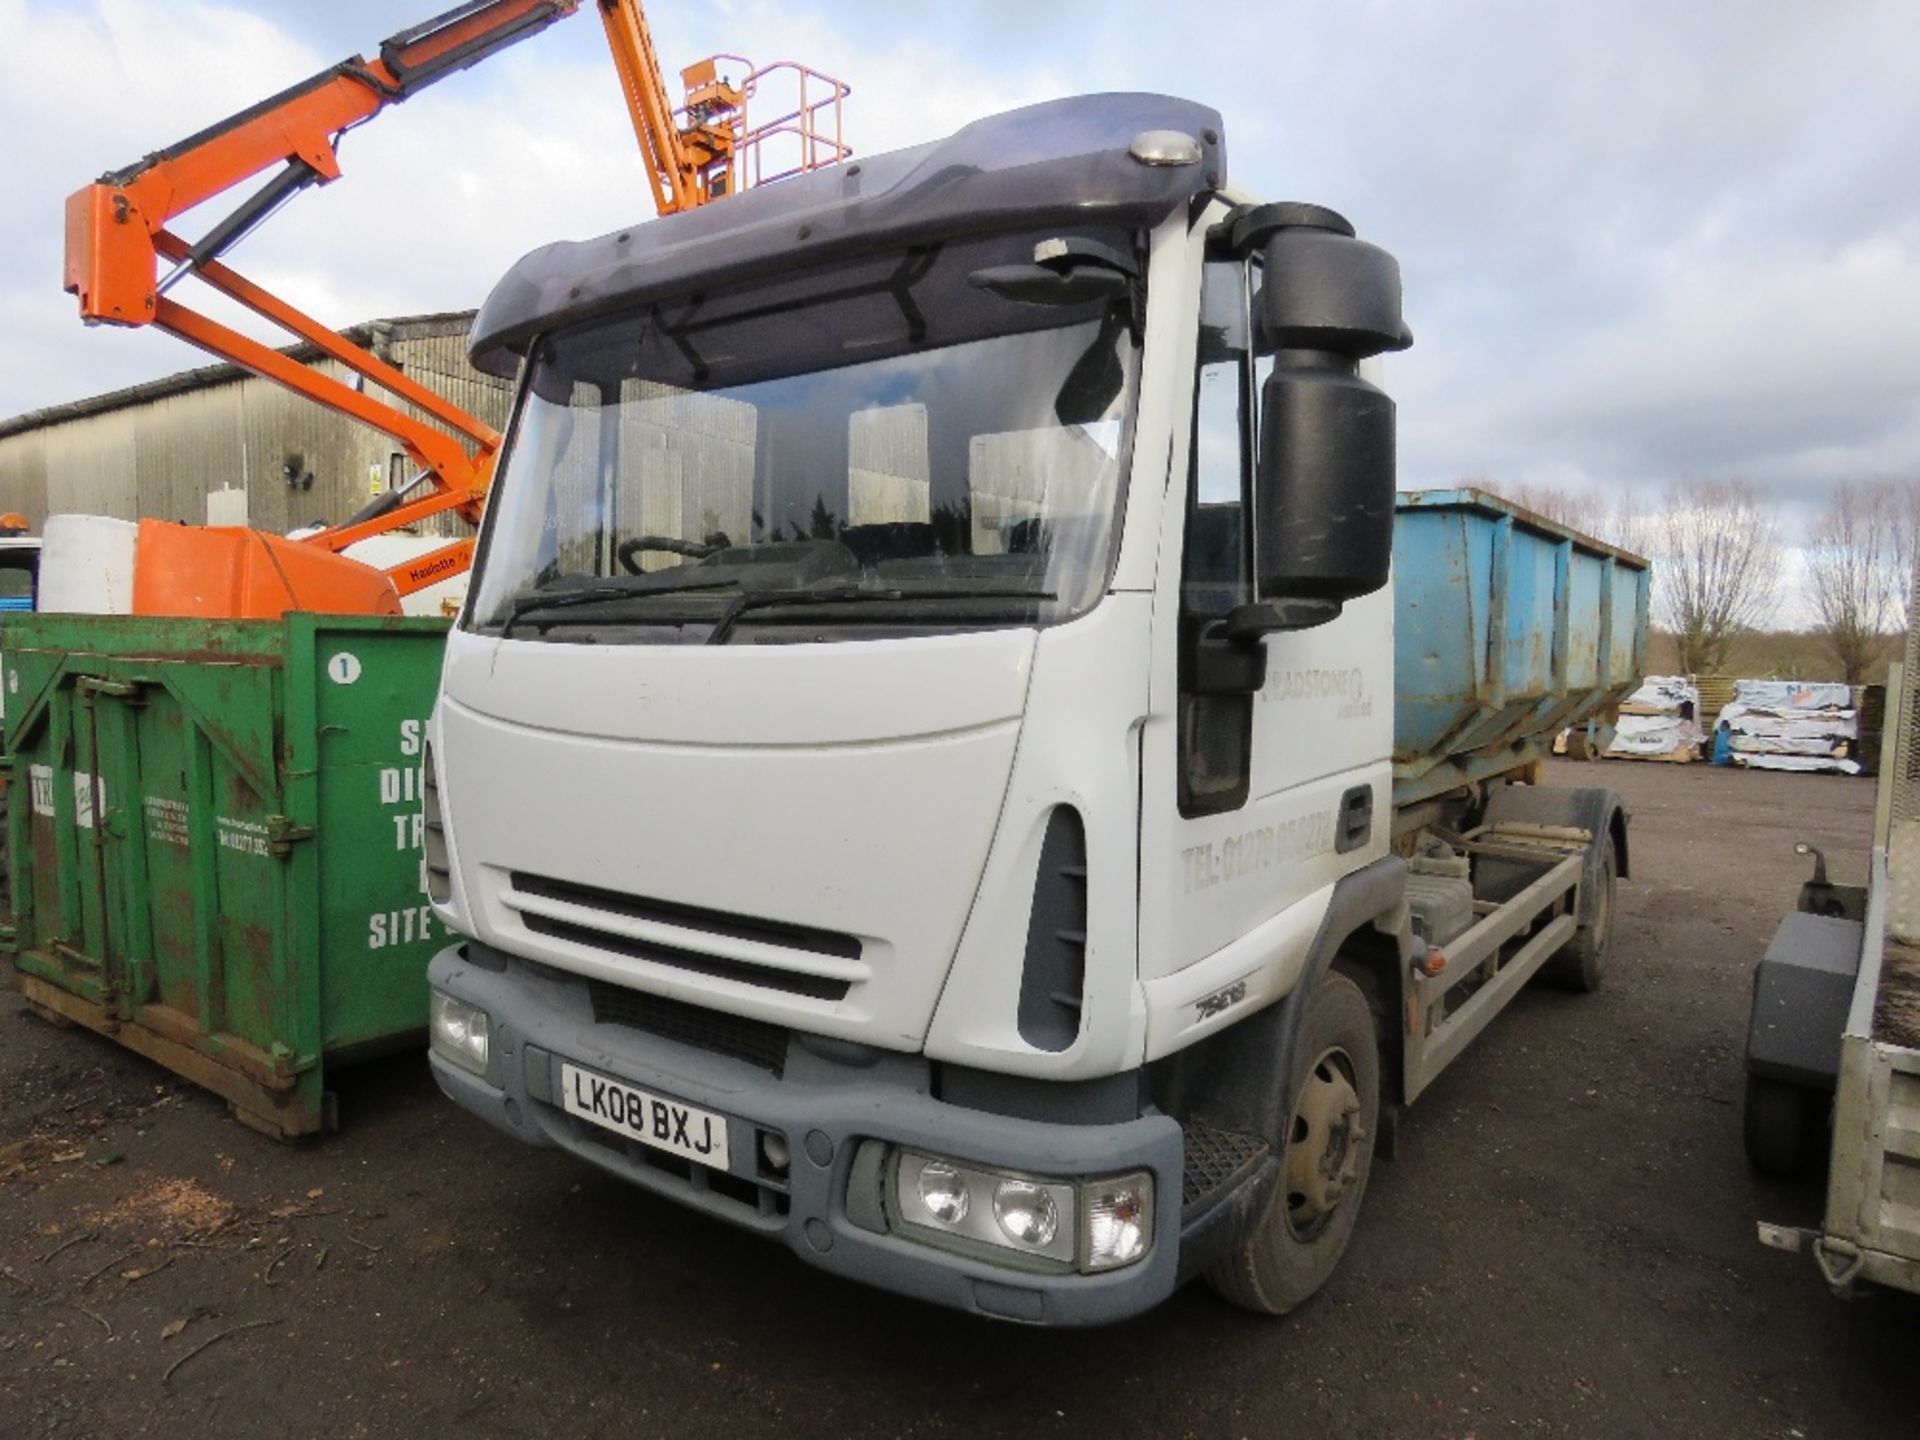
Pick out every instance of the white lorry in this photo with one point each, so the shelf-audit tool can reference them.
(918, 770)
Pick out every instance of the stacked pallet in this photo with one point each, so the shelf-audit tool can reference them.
(1659, 722)
(1716, 693)
(1793, 725)
(1871, 702)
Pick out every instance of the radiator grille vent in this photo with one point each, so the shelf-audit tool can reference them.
(439, 870)
(753, 1041)
(796, 959)
(691, 917)
(1053, 981)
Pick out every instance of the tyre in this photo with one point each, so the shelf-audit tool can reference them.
(1336, 1089)
(1581, 964)
(1786, 1128)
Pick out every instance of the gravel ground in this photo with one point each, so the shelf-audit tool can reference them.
(1564, 1247)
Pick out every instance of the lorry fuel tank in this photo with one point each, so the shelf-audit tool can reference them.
(1440, 894)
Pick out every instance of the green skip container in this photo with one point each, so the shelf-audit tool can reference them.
(213, 836)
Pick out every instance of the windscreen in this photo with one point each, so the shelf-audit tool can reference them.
(883, 446)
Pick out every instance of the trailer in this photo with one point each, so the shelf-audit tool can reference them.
(1833, 1038)
(955, 759)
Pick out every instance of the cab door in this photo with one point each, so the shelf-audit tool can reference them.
(1253, 804)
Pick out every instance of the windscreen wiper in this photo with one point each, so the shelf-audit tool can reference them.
(586, 595)
(848, 594)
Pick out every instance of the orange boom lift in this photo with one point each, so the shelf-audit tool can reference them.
(117, 240)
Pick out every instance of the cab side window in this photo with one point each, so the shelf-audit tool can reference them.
(1214, 565)
(1215, 731)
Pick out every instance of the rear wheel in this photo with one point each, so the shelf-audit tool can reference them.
(1785, 1128)
(1329, 1154)
(1582, 963)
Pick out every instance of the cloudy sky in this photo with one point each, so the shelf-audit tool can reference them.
(1641, 241)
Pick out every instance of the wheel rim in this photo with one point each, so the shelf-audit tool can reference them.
(1324, 1146)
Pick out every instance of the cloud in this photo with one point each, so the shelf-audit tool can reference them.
(1641, 241)
(439, 195)
(82, 92)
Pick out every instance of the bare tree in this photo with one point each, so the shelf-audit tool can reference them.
(1590, 511)
(1715, 567)
(1906, 540)
(1581, 510)
(1858, 559)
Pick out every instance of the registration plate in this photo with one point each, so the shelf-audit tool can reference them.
(683, 1130)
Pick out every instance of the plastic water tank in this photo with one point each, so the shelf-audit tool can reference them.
(86, 565)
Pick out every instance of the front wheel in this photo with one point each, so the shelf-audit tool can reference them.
(1329, 1154)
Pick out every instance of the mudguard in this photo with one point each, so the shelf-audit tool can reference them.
(1601, 812)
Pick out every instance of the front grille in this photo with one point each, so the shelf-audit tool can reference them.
(1213, 1157)
(439, 869)
(813, 986)
(690, 917)
(754, 1041)
(799, 941)
(765, 1197)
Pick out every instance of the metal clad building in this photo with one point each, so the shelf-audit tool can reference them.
(165, 448)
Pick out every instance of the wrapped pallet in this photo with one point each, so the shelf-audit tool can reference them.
(1658, 722)
(1793, 725)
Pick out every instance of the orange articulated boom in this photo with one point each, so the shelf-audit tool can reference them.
(686, 167)
(709, 147)
(675, 178)
(117, 239)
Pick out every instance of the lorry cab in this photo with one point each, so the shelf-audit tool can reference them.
(924, 697)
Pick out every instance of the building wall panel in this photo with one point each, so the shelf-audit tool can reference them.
(162, 455)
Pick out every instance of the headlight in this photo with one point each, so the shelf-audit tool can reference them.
(457, 1032)
(943, 1190)
(1026, 1213)
(1098, 1224)
(981, 1207)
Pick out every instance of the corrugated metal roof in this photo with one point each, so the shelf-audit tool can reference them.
(403, 327)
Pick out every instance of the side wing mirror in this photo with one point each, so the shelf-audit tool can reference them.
(1325, 473)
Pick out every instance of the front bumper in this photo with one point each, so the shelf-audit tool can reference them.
(831, 1104)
